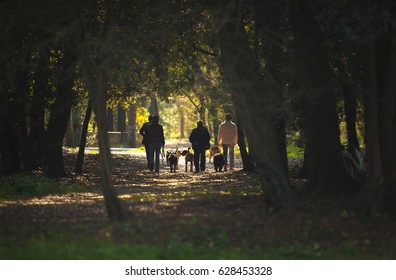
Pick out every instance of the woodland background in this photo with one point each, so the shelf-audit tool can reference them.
(315, 75)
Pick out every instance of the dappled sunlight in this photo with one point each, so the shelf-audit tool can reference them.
(77, 198)
(144, 192)
(187, 205)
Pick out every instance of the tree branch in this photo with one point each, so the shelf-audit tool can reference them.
(199, 49)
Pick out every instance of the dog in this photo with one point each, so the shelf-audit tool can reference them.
(172, 159)
(218, 162)
(189, 157)
(212, 151)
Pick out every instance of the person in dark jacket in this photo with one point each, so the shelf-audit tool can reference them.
(200, 140)
(156, 140)
(142, 132)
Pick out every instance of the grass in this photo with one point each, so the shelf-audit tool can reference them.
(30, 185)
(61, 243)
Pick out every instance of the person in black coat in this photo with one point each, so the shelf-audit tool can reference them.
(200, 140)
(143, 132)
(156, 140)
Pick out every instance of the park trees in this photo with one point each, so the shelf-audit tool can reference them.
(266, 55)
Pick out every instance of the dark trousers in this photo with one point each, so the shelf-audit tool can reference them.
(154, 155)
(199, 159)
(147, 153)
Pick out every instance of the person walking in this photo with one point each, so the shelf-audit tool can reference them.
(228, 138)
(200, 140)
(143, 132)
(156, 140)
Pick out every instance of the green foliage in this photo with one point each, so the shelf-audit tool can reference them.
(294, 152)
(23, 186)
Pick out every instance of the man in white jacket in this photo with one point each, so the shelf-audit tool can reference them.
(228, 138)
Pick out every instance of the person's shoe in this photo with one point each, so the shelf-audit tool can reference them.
(157, 170)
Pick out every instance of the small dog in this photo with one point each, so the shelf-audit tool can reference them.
(189, 157)
(212, 151)
(218, 162)
(173, 160)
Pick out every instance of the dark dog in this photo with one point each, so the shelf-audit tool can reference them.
(189, 157)
(218, 162)
(173, 160)
(212, 151)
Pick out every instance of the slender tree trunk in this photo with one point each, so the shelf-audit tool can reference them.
(98, 87)
(182, 124)
(132, 124)
(21, 92)
(371, 197)
(98, 96)
(83, 141)
(113, 205)
(350, 101)
(153, 106)
(121, 122)
(110, 119)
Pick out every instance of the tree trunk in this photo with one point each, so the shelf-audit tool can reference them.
(121, 122)
(101, 67)
(110, 119)
(350, 101)
(387, 114)
(269, 31)
(36, 141)
(371, 197)
(60, 114)
(247, 161)
(317, 98)
(83, 141)
(132, 124)
(113, 205)
(249, 97)
(153, 106)
(69, 136)
(182, 124)
(10, 161)
(20, 99)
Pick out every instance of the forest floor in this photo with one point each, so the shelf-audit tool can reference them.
(224, 211)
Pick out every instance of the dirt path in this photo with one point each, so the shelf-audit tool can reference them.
(184, 204)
